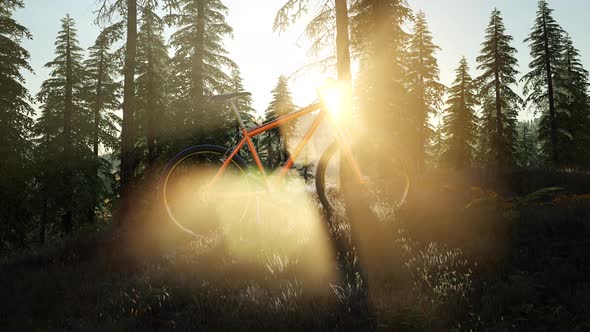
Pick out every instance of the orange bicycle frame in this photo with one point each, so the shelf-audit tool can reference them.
(248, 134)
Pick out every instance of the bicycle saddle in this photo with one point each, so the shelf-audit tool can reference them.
(227, 97)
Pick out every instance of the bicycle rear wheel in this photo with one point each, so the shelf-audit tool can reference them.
(194, 204)
(385, 191)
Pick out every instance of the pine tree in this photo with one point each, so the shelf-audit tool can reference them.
(128, 135)
(15, 127)
(424, 85)
(500, 103)
(127, 11)
(460, 121)
(526, 154)
(435, 146)
(277, 139)
(201, 65)
(379, 41)
(103, 93)
(153, 65)
(244, 105)
(66, 123)
(49, 166)
(546, 43)
(573, 101)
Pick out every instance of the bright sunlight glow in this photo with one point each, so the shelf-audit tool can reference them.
(333, 95)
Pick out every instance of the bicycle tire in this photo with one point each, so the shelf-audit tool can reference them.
(321, 188)
(320, 177)
(213, 150)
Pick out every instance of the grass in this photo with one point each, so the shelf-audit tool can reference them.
(456, 266)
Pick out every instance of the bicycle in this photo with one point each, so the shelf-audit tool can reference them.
(213, 162)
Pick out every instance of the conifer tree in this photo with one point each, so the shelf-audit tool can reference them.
(201, 65)
(546, 43)
(486, 134)
(500, 102)
(103, 92)
(66, 123)
(126, 11)
(435, 146)
(573, 102)
(153, 65)
(128, 125)
(424, 85)
(244, 105)
(460, 121)
(277, 139)
(15, 126)
(379, 40)
(46, 175)
(526, 153)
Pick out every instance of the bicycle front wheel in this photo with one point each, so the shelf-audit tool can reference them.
(385, 191)
(192, 201)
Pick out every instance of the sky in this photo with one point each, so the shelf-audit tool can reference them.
(262, 55)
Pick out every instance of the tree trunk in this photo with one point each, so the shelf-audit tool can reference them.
(359, 216)
(552, 115)
(91, 217)
(198, 59)
(98, 103)
(342, 42)
(465, 156)
(382, 56)
(151, 104)
(500, 156)
(43, 227)
(423, 116)
(128, 128)
(44, 211)
(68, 148)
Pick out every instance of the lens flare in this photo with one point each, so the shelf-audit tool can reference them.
(246, 226)
(334, 96)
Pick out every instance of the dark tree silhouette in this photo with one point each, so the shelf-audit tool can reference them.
(527, 151)
(65, 122)
(153, 65)
(500, 103)
(276, 140)
(460, 122)
(15, 126)
(103, 93)
(202, 66)
(425, 89)
(128, 163)
(573, 101)
(546, 43)
(379, 40)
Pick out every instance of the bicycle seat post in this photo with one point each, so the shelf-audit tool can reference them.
(237, 113)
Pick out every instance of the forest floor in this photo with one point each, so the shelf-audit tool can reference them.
(474, 261)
